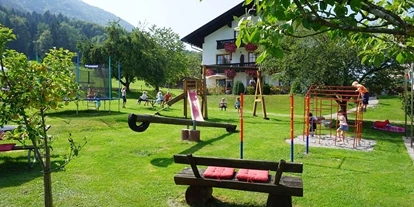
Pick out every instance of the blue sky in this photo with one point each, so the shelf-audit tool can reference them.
(183, 16)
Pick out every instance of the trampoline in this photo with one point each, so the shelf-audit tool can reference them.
(95, 81)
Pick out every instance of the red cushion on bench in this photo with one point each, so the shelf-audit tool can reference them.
(219, 172)
(253, 175)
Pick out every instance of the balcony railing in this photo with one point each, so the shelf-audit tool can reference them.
(221, 43)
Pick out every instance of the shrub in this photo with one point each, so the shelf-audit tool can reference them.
(275, 90)
(266, 89)
(238, 88)
(250, 90)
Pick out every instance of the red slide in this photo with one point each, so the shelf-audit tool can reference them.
(195, 106)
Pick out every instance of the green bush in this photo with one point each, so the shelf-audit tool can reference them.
(266, 89)
(275, 90)
(250, 90)
(238, 88)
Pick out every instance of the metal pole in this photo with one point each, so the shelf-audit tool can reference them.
(77, 79)
(109, 84)
(307, 124)
(291, 127)
(411, 117)
(119, 86)
(406, 75)
(241, 124)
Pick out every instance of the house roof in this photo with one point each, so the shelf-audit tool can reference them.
(196, 38)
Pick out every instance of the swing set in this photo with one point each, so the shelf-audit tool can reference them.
(258, 96)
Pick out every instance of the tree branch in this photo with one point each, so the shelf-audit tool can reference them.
(351, 28)
(309, 35)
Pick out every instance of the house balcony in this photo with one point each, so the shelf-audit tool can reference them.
(221, 43)
(231, 65)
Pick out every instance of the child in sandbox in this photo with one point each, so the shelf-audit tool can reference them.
(343, 126)
(312, 124)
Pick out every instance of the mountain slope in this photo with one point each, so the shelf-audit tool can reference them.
(76, 9)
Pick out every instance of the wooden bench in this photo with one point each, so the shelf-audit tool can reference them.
(29, 156)
(280, 188)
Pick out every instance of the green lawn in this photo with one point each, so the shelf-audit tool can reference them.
(119, 167)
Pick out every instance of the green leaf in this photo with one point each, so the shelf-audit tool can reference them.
(355, 5)
(247, 2)
(238, 41)
(330, 2)
(286, 3)
(262, 57)
(255, 37)
(322, 5)
(400, 58)
(306, 23)
(377, 61)
(277, 52)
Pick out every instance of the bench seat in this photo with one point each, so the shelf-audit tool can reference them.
(280, 188)
(291, 186)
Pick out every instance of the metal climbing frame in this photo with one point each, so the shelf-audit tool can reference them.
(325, 101)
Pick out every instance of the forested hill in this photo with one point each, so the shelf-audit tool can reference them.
(76, 9)
(37, 33)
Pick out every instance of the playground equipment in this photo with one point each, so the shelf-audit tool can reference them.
(326, 101)
(190, 84)
(96, 84)
(197, 118)
(258, 97)
(409, 104)
(147, 119)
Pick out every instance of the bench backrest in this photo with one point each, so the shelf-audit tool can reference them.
(238, 163)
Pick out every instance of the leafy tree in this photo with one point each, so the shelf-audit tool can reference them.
(44, 42)
(193, 64)
(319, 60)
(384, 29)
(170, 52)
(29, 90)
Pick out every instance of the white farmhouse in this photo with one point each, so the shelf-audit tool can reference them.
(215, 38)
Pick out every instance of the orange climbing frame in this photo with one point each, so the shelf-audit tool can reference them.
(325, 101)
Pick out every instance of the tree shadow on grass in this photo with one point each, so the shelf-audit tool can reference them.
(214, 202)
(15, 171)
(83, 113)
(165, 162)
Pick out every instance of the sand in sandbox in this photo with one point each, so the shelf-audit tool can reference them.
(328, 141)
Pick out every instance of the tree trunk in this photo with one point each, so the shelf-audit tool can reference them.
(47, 176)
(47, 179)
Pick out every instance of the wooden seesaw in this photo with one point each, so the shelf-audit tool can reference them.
(147, 119)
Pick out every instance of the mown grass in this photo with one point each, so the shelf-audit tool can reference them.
(119, 167)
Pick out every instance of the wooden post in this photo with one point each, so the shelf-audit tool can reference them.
(204, 95)
(258, 96)
(185, 98)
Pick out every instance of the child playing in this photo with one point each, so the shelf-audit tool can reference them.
(312, 124)
(223, 104)
(364, 94)
(237, 105)
(343, 126)
(160, 97)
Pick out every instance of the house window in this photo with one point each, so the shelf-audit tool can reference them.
(223, 59)
(236, 33)
(221, 82)
(252, 57)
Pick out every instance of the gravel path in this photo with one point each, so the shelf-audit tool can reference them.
(329, 142)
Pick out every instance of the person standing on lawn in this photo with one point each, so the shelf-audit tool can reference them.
(123, 91)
